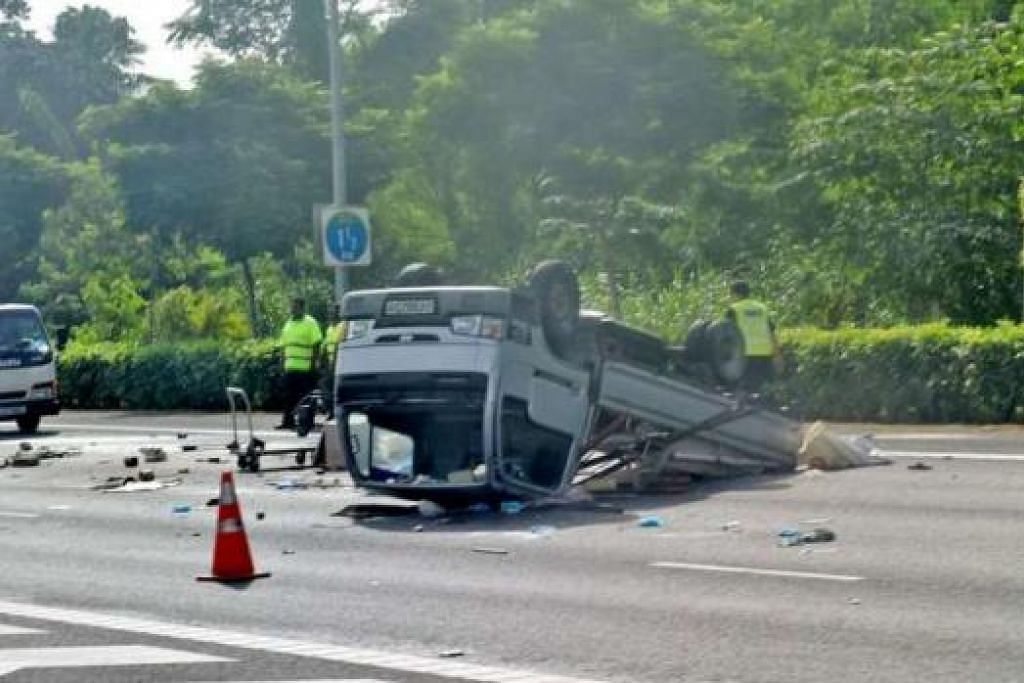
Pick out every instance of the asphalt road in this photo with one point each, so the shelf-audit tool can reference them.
(924, 580)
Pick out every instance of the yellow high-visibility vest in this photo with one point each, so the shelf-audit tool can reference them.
(332, 337)
(300, 339)
(752, 320)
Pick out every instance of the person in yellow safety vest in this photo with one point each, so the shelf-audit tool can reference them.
(751, 317)
(334, 335)
(300, 339)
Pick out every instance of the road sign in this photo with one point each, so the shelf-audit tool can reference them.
(345, 232)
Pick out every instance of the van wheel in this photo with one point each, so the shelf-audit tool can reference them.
(557, 292)
(28, 424)
(728, 354)
(695, 347)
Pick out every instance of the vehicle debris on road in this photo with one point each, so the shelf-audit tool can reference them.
(153, 454)
(651, 522)
(919, 467)
(791, 536)
(822, 450)
(138, 486)
(491, 551)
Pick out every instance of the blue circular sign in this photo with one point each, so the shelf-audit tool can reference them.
(347, 237)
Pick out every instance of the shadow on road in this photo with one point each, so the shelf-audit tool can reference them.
(394, 515)
(13, 434)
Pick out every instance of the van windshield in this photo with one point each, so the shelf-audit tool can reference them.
(21, 331)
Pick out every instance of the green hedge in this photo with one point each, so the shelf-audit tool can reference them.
(928, 373)
(164, 376)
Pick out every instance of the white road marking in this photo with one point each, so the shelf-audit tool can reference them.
(994, 457)
(143, 429)
(754, 570)
(921, 436)
(18, 515)
(334, 653)
(105, 655)
(6, 630)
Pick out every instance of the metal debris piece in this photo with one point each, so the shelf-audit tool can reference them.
(131, 461)
(818, 535)
(919, 467)
(491, 551)
(153, 454)
(24, 459)
(448, 654)
(147, 475)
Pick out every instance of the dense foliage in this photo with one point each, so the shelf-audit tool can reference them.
(187, 375)
(858, 160)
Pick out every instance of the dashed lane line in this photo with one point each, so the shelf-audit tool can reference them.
(6, 630)
(991, 457)
(754, 571)
(285, 646)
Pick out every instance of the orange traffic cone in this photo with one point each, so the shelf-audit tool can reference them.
(232, 561)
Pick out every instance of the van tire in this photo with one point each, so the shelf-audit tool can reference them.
(28, 424)
(727, 352)
(557, 292)
(696, 347)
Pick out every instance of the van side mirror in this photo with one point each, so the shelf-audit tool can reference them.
(62, 337)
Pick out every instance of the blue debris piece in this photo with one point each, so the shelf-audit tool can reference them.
(651, 522)
(512, 507)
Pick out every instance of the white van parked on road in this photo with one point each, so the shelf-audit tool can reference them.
(28, 369)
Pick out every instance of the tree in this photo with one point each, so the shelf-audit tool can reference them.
(291, 32)
(88, 264)
(91, 60)
(236, 163)
(918, 152)
(29, 184)
(519, 97)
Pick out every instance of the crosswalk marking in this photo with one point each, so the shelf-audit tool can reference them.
(90, 655)
(334, 653)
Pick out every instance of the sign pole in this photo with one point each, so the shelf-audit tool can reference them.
(337, 131)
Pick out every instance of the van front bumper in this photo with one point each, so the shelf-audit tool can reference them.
(15, 409)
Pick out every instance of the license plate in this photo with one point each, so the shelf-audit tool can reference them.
(10, 362)
(410, 307)
(7, 411)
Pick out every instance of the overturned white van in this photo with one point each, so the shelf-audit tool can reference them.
(468, 393)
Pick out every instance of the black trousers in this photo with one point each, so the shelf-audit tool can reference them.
(296, 385)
